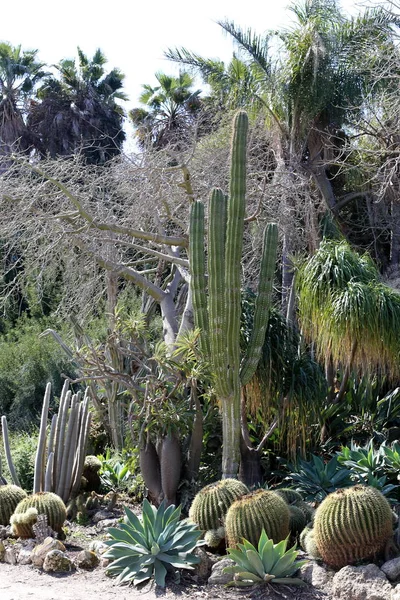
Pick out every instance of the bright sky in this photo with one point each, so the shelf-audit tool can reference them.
(133, 34)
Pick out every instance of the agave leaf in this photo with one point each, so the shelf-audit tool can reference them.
(249, 576)
(262, 541)
(137, 536)
(257, 565)
(289, 581)
(133, 520)
(126, 573)
(173, 559)
(268, 556)
(284, 566)
(240, 558)
(143, 575)
(159, 520)
(174, 516)
(125, 536)
(279, 550)
(247, 546)
(160, 573)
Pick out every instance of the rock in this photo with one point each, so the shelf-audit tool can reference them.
(396, 593)
(39, 553)
(203, 569)
(98, 547)
(391, 568)
(57, 562)
(217, 577)
(10, 555)
(2, 551)
(104, 562)
(101, 515)
(25, 553)
(86, 560)
(105, 523)
(317, 575)
(4, 532)
(361, 583)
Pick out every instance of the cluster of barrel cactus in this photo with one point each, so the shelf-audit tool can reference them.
(42, 503)
(10, 496)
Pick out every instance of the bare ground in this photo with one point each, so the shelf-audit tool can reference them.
(27, 583)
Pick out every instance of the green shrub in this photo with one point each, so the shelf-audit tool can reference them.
(23, 450)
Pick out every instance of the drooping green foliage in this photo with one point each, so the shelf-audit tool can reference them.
(250, 514)
(346, 310)
(152, 546)
(210, 506)
(10, 496)
(352, 524)
(265, 563)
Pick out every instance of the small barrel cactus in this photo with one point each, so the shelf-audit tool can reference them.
(297, 520)
(45, 503)
(90, 472)
(248, 516)
(210, 506)
(352, 524)
(10, 496)
(290, 496)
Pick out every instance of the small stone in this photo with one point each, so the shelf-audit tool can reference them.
(101, 515)
(203, 569)
(217, 577)
(104, 562)
(391, 568)
(317, 575)
(4, 532)
(86, 560)
(10, 555)
(25, 553)
(39, 553)
(57, 562)
(106, 523)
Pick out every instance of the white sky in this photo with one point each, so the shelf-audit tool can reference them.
(133, 34)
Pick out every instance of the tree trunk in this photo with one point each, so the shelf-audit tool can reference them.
(231, 434)
(250, 472)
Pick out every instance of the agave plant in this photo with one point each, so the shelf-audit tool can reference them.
(271, 563)
(151, 546)
(316, 479)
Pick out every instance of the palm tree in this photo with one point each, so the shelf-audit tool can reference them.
(171, 107)
(79, 111)
(19, 74)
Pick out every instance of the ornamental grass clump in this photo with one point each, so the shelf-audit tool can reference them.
(268, 563)
(352, 524)
(152, 546)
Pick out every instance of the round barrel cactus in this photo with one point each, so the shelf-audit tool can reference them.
(352, 524)
(210, 506)
(248, 516)
(45, 503)
(10, 496)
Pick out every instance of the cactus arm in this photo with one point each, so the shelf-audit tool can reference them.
(41, 447)
(67, 446)
(60, 437)
(263, 304)
(216, 286)
(49, 473)
(7, 451)
(198, 276)
(70, 450)
(81, 448)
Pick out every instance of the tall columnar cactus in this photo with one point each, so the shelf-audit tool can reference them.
(60, 459)
(210, 506)
(45, 503)
(218, 317)
(10, 496)
(248, 516)
(352, 524)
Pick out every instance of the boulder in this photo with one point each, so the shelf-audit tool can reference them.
(39, 553)
(101, 515)
(25, 553)
(391, 568)
(11, 554)
(57, 562)
(86, 560)
(317, 575)
(367, 582)
(217, 576)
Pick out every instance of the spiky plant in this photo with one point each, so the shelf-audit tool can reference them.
(268, 563)
(250, 514)
(152, 546)
(210, 506)
(45, 503)
(352, 524)
(10, 496)
(22, 523)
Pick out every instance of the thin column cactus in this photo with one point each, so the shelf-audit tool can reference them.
(66, 448)
(219, 317)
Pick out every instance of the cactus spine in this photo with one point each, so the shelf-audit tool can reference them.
(44, 503)
(248, 516)
(10, 496)
(352, 524)
(210, 506)
(219, 318)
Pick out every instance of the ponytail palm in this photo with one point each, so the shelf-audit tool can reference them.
(350, 315)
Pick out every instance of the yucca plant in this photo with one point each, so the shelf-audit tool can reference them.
(270, 563)
(151, 546)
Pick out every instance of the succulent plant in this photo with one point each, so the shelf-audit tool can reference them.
(352, 524)
(289, 495)
(297, 520)
(308, 543)
(152, 546)
(91, 468)
(45, 503)
(250, 514)
(10, 496)
(22, 523)
(210, 506)
(268, 563)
